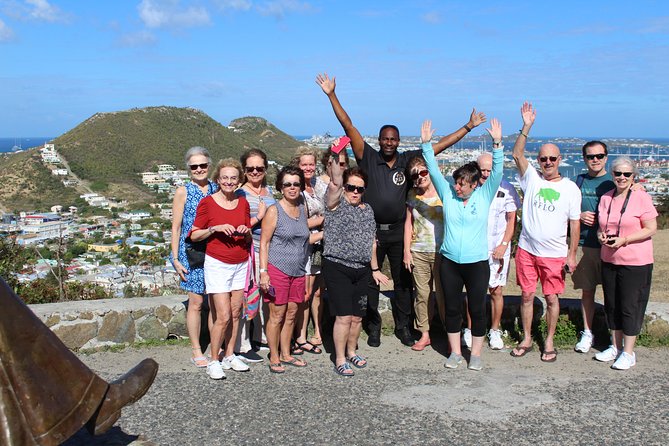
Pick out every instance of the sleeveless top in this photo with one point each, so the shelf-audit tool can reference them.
(289, 243)
(254, 202)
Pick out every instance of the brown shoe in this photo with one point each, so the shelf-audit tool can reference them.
(122, 392)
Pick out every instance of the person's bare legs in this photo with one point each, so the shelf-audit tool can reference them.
(277, 313)
(454, 342)
(552, 315)
(588, 308)
(221, 319)
(317, 309)
(526, 314)
(477, 345)
(340, 335)
(353, 334)
(617, 339)
(193, 323)
(303, 311)
(235, 308)
(287, 332)
(496, 306)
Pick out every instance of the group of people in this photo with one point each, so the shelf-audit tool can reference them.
(313, 236)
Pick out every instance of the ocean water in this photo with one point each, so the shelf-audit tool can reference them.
(26, 142)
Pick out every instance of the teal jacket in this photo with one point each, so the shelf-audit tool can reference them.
(465, 227)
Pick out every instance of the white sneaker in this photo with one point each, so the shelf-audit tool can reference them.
(215, 371)
(467, 337)
(233, 362)
(610, 354)
(624, 361)
(584, 345)
(495, 337)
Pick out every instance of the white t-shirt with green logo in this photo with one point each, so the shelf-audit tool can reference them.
(547, 208)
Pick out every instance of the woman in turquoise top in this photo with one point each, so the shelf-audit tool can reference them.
(464, 251)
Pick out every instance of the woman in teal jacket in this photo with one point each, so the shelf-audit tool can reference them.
(464, 250)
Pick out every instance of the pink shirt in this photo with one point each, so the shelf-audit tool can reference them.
(639, 208)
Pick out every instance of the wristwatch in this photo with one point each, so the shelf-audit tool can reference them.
(505, 243)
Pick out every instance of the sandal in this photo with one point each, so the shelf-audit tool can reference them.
(314, 349)
(295, 362)
(522, 351)
(200, 361)
(344, 370)
(316, 340)
(276, 368)
(357, 361)
(551, 352)
(296, 349)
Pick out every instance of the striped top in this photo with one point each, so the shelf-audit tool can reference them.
(288, 246)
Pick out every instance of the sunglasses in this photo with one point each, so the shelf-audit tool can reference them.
(259, 169)
(625, 174)
(422, 173)
(295, 184)
(599, 156)
(543, 159)
(352, 188)
(198, 166)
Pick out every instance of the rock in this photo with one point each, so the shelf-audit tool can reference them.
(177, 325)
(163, 313)
(86, 315)
(138, 314)
(658, 329)
(52, 320)
(152, 328)
(117, 328)
(75, 336)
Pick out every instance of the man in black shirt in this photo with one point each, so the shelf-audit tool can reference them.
(386, 192)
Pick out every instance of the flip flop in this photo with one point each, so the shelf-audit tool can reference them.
(357, 361)
(523, 351)
(200, 362)
(344, 370)
(295, 362)
(314, 349)
(315, 340)
(552, 352)
(276, 368)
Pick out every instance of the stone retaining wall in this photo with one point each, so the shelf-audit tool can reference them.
(96, 323)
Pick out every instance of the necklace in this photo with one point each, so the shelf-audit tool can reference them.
(255, 190)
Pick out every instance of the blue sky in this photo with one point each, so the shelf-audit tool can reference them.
(591, 68)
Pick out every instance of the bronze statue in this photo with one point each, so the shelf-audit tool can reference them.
(46, 393)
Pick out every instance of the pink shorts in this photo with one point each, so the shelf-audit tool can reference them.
(549, 270)
(286, 288)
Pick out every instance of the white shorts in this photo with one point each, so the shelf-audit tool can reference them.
(222, 277)
(497, 277)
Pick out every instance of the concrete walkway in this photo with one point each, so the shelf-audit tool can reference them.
(402, 397)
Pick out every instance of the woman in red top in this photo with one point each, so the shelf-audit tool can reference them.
(224, 219)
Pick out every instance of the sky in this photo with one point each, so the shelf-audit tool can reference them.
(596, 68)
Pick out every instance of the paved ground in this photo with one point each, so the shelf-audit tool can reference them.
(403, 397)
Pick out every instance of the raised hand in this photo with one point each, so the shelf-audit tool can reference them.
(528, 113)
(476, 118)
(426, 131)
(495, 130)
(327, 85)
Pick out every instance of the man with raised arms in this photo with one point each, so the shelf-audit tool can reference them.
(550, 204)
(386, 193)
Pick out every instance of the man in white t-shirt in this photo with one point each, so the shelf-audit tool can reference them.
(551, 204)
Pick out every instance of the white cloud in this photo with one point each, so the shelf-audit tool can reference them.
(139, 38)
(6, 33)
(432, 17)
(279, 8)
(234, 5)
(657, 25)
(168, 13)
(43, 10)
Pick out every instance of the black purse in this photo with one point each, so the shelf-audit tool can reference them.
(195, 253)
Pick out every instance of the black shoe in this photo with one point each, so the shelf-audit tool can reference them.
(404, 335)
(374, 340)
(250, 357)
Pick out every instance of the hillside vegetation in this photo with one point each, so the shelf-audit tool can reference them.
(108, 151)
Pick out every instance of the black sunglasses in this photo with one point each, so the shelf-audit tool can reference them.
(625, 174)
(352, 188)
(295, 184)
(599, 156)
(259, 169)
(543, 159)
(198, 166)
(422, 173)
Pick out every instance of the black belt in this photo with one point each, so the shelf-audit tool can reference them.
(388, 226)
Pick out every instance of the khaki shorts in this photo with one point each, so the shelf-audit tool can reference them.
(588, 273)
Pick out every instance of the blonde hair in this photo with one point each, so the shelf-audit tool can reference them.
(304, 151)
(228, 162)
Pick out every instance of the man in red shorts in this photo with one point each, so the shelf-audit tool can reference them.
(550, 203)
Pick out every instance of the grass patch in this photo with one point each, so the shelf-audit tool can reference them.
(140, 344)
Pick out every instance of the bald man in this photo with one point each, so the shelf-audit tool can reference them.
(551, 204)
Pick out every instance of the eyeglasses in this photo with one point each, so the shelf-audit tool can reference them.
(226, 178)
(352, 188)
(198, 166)
(543, 159)
(259, 169)
(599, 156)
(422, 173)
(625, 174)
(295, 184)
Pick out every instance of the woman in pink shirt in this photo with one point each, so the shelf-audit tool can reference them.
(627, 221)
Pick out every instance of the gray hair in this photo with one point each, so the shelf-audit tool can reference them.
(197, 150)
(624, 161)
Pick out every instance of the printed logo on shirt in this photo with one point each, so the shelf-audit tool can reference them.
(545, 199)
(399, 178)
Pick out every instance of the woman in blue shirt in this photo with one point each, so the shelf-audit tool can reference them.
(464, 250)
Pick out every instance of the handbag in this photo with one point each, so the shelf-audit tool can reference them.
(251, 289)
(317, 254)
(195, 253)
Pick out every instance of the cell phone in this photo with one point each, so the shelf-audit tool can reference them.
(566, 268)
(271, 291)
(343, 141)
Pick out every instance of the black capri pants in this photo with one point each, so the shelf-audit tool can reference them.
(626, 290)
(474, 277)
(347, 288)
